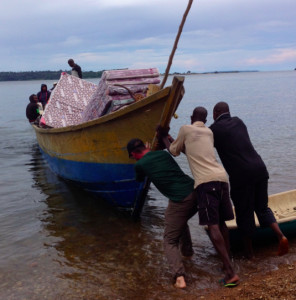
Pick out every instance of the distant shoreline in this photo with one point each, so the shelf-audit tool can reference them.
(43, 75)
(55, 75)
(215, 72)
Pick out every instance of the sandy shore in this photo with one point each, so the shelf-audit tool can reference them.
(273, 285)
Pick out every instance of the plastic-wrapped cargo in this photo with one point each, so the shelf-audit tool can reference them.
(67, 102)
(114, 86)
(74, 100)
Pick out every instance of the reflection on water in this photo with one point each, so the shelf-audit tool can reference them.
(83, 249)
(57, 242)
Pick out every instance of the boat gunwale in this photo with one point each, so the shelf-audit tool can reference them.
(132, 107)
(232, 224)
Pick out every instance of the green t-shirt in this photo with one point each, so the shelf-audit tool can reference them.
(163, 171)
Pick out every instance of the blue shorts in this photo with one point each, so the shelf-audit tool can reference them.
(213, 202)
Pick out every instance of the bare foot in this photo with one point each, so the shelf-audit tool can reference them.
(180, 283)
(283, 246)
(235, 278)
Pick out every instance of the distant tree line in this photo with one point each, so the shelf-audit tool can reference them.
(43, 75)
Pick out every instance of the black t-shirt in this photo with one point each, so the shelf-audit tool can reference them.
(32, 111)
(240, 159)
(77, 68)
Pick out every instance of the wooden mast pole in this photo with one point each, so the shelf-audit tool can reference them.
(175, 44)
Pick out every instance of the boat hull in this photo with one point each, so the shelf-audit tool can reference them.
(263, 235)
(283, 206)
(93, 155)
(119, 190)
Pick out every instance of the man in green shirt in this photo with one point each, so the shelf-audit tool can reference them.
(172, 182)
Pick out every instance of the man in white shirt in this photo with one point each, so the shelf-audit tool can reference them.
(210, 183)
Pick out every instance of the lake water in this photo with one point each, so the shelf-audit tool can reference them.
(56, 242)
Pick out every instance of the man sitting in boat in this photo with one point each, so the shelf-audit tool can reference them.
(34, 109)
(43, 95)
(172, 182)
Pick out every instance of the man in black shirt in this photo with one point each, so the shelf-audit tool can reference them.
(32, 110)
(248, 177)
(76, 70)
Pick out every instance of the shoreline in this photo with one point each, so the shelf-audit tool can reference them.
(271, 285)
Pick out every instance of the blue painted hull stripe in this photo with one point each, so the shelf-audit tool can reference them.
(114, 182)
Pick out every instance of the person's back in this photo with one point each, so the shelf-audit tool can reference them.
(236, 151)
(76, 69)
(198, 141)
(248, 177)
(165, 174)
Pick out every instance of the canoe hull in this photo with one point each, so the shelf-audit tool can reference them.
(263, 235)
(283, 206)
(93, 155)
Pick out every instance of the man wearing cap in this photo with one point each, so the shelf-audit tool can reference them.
(172, 182)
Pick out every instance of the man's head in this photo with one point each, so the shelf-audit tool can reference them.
(219, 109)
(33, 98)
(135, 148)
(71, 62)
(199, 114)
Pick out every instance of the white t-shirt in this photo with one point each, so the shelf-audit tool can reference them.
(198, 142)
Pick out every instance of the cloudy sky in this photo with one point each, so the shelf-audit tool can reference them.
(218, 35)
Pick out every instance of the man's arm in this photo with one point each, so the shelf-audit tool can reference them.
(165, 139)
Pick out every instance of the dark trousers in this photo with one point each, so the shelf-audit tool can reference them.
(177, 238)
(248, 199)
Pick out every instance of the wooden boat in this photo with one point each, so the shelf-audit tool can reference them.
(93, 154)
(283, 206)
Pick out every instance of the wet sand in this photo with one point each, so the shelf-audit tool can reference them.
(277, 284)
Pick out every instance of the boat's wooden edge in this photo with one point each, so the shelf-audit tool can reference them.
(134, 106)
(232, 224)
(282, 193)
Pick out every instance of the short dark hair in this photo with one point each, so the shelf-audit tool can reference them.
(199, 114)
(221, 108)
(134, 145)
(31, 98)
